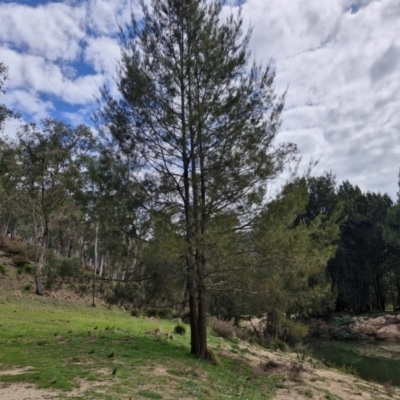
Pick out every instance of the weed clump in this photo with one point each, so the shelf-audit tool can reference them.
(149, 395)
(278, 344)
(135, 312)
(180, 329)
(211, 356)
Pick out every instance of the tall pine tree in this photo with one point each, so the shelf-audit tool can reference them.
(196, 120)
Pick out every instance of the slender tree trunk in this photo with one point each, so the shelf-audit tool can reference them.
(95, 265)
(41, 260)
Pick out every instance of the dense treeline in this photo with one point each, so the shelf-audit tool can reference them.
(169, 199)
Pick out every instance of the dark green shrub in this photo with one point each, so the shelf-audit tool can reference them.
(135, 312)
(2, 269)
(29, 269)
(124, 293)
(278, 344)
(152, 312)
(175, 314)
(27, 287)
(342, 328)
(19, 260)
(185, 317)
(164, 313)
(294, 332)
(180, 329)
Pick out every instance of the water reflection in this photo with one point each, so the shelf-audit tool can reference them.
(378, 362)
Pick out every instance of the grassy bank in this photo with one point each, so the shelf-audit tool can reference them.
(85, 352)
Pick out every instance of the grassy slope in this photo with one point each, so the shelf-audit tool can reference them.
(76, 351)
(67, 344)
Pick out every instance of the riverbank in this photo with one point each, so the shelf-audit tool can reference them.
(384, 327)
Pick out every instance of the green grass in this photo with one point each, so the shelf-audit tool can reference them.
(113, 355)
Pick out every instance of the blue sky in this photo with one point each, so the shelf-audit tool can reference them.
(340, 59)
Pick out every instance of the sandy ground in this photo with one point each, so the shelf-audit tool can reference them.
(309, 379)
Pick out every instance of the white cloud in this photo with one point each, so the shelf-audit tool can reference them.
(102, 53)
(34, 74)
(340, 57)
(52, 31)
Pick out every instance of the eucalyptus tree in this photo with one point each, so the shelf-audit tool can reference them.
(5, 112)
(197, 120)
(44, 170)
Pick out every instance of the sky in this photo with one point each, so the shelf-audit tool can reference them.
(339, 59)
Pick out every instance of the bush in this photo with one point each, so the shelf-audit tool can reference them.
(27, 287)
(295, 332)
(12, 246)
(152, 312)
(180, 329)
(2, 269)
(341, 329)
(175, 314)
(19, 260)
(124, 293)
(135, 312)
(185, 316)
(164, 313)
(222, 328)
(278, 344)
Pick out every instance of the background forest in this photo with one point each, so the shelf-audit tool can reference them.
(171, 202)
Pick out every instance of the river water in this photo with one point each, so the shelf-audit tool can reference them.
(377, 361)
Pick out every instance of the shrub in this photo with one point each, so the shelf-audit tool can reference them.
(29, 269)
(124, 292)
(175, 314)
(27, 287)
(152, 312)
(342, 330)
(19, 260)
(185, 316)
(278, 344)
(12, 246)
(242, 333)
(180, 329)
(2, 269)
(222, 328)
(295, 332)
(135, 312)
(164, 313)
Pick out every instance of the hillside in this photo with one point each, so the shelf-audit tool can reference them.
(59, 347)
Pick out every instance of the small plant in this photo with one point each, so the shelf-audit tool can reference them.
(211, 356)
(27, 287)
(278, 344)
(149, 395)
(308, 393)
(135, 312)
(2, 269)
(152, 312)
(180, 329)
